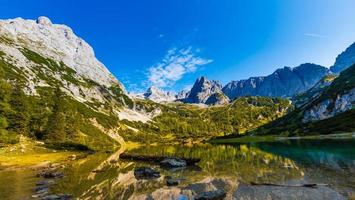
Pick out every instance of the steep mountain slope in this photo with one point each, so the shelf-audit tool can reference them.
(333, 110)
(344, 60)
(58, 90)
(46, 54)
(206, 92)
(284, 82)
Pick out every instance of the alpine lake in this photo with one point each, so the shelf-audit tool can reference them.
(326, 161)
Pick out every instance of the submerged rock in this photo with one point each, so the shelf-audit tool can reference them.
(277, 192)
(172, 182)
(146, 173)
(50, 174)
(57, 197)
(173, 163)
(212, 195)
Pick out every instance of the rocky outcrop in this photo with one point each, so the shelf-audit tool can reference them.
(205, 91)
(330, 107)
(344, 60)
(284, 82)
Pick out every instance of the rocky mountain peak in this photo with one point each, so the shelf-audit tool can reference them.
(57, 42)
(202, 90)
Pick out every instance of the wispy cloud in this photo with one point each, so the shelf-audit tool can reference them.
(175, 64)
(315, 35)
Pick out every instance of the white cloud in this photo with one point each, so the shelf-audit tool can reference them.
(315, 35)
(175, 64)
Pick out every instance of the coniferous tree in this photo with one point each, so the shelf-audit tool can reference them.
(19, 116)
(5, 91)
(73, 120)
(56, 125)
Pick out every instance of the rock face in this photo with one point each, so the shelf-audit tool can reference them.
(330, 107)
(57, 42)
(335, 99)
(203, 91)
(42, 54)
(344, 60)
(284, 82)
(157, 95)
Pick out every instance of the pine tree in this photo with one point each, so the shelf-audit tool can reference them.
(56, 125)
(19, 117)
(73, 120)
(5, 91)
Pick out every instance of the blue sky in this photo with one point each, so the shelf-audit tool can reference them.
(171, 43)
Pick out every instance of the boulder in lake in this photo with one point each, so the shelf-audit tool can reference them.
(146, 173)
(212, 195)
(173, 163)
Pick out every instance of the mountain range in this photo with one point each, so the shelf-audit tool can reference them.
(284, 82)
(53, 88)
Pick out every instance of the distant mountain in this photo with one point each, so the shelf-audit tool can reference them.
(206, 92)
(284, 82)
(157, 95)
(344, 60)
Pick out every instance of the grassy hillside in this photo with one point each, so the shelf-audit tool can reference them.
(186, 122)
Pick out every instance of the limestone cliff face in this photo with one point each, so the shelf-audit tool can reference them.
(284, 82)
(59, 43)
(330, 107)
(337, 98)
(48, 54)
